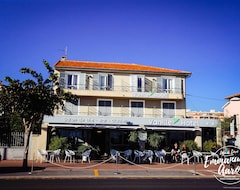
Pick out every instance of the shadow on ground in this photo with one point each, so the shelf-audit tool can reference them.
(18, 169)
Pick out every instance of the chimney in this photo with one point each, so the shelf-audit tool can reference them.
(63, 58)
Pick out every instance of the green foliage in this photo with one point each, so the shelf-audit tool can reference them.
(86, 146)
(15, 122)
(208, 145)
(33, 98)
(58, 143)
(154, 140)
(190, 144)
(133, 136)
(226, 124)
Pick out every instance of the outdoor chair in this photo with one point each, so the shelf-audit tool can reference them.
(42, 154)
(55, 155)
(148, 154)
(86, 155)
(69, 156)
(127, 154)
(184, 157)
(138, 155)
(197, 155)
(160, 155)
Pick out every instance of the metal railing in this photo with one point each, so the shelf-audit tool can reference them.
(124, 88)
(13, 139)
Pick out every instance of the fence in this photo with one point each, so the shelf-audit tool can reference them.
(13, 139)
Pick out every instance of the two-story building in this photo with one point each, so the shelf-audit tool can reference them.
(116, 98)
(232, 111)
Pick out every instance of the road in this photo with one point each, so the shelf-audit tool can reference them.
(114, 184)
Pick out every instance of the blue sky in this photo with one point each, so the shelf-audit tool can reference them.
(199, 36)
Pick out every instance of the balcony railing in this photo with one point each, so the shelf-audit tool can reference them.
(124, 88)
(124, 112)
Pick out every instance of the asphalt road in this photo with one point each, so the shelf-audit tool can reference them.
(114, 184)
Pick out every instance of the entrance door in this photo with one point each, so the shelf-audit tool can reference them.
(99, 140)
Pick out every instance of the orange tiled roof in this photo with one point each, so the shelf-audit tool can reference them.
(115, 66)
(232, 96)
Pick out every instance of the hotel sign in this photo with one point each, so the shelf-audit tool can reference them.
(180, 122)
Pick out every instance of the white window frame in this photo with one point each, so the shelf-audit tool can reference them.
(104, 83)
(168, 115)
(170, 84)
(98, 107)
(134, 79)
(139, 114)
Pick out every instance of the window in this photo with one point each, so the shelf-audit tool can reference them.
(137, 108)
(104, 107)
(106, 81)
(72, 81)
(71, 108)
(140, 84)
(168, 109)
(137, 83)
(167, 85)
(103, 81)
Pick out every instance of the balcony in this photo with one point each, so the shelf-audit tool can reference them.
(124, 112)
(126, 91)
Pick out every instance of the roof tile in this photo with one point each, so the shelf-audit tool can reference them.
(115, 66)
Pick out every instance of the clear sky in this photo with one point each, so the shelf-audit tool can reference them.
(198, 36)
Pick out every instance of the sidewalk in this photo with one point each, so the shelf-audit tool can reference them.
(100, 169)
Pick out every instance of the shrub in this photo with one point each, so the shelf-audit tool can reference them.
(207, 145)
(154, 140)
(58, 143)
(133, 136)
(190, 144)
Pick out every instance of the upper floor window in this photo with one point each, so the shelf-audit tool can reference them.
(104, 107)
(169, 84)
(137, 108)
(137, 83)
(168, 109)
(103, 81)
(73, 80)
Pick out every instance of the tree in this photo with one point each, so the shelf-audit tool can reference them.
(33, 98)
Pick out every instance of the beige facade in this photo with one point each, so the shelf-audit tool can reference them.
(231, 110)
(118, 98)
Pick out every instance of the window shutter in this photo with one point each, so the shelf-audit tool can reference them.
(62, 80)
(82, 81)
(96, 82)
(159, 84)
(134, 83)
(148, 85)
(178, 85)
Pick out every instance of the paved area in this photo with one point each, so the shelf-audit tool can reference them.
(103, 169)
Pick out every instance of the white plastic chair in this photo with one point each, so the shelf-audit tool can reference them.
(69, 156)
(55, 155)
(42, 154)
(127, 154)
(86, 155)
(184, 156)
(160, 155)
(138, 156)
(148, 154)
(198, 155)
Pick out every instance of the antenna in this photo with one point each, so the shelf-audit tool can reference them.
(66, 51)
